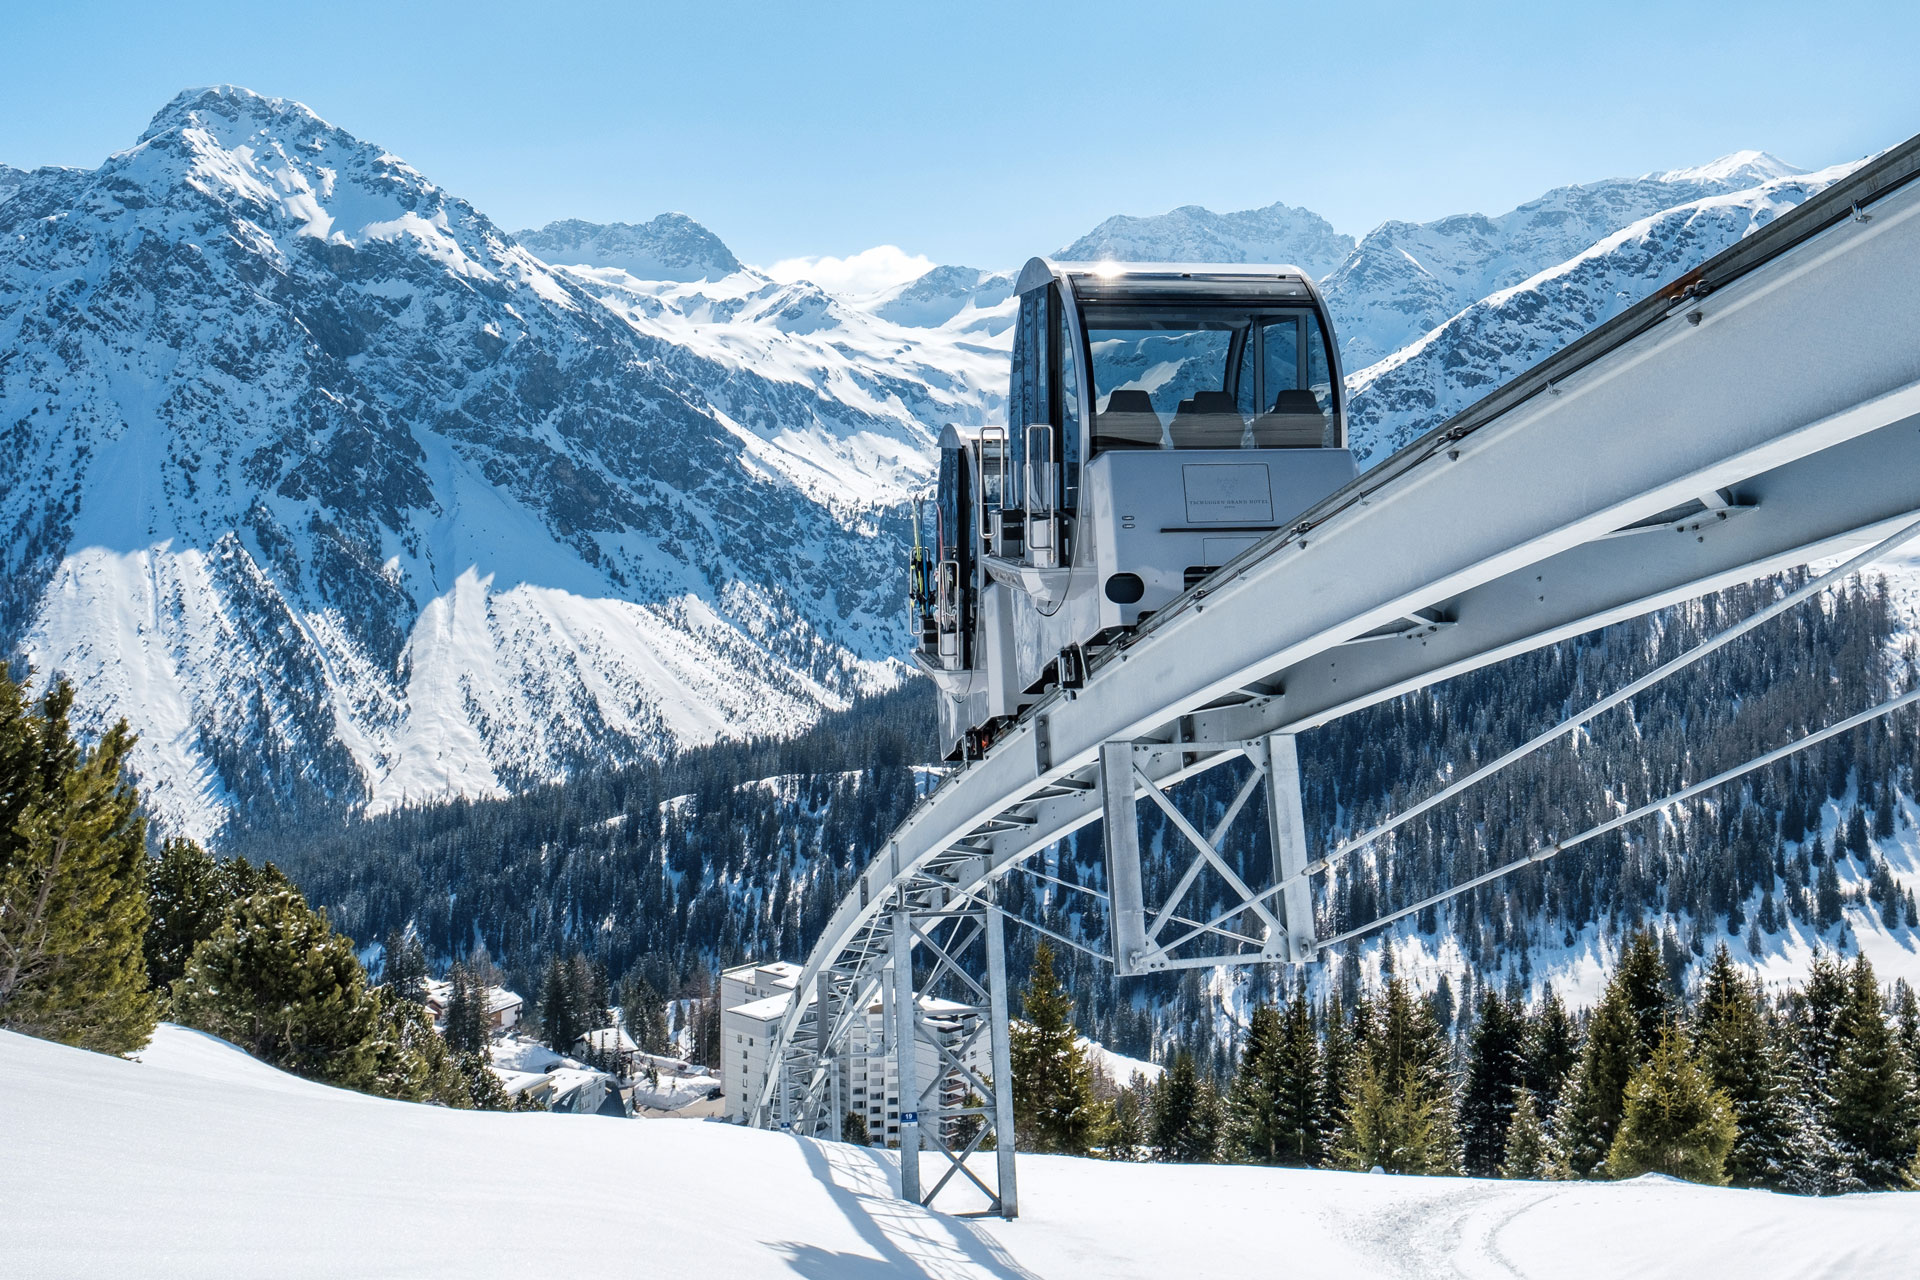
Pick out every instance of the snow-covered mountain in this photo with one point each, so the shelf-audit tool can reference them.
(11, 180)
(1277, 233)
(1512, 328)
(671, 247)
(1432, 316)
(338, 493)
(975, 298)
(806, 344)
(1404, 279)
(341, 494)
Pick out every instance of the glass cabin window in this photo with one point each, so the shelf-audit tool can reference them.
(1209, 378)
(1029, 394)
(1066, 394)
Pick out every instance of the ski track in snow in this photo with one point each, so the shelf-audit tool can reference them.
(198, 1161)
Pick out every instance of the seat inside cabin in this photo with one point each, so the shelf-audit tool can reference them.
(1130, 422)
(1210, 420)
(1296, 421)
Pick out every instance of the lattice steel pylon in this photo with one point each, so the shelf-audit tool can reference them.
(1281, 930)
(950, 1098)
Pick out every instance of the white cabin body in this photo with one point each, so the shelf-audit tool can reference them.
(1162, 419)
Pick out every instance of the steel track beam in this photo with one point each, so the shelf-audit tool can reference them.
(1500, 523)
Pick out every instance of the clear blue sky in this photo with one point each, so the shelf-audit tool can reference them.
(984, 133)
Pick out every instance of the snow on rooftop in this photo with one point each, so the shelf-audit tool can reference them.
(199, 1161)
(763, 1010)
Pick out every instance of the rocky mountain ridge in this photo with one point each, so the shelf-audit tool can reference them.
(671, 246)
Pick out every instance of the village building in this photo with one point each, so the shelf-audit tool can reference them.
(754, 999)
(503, 1006)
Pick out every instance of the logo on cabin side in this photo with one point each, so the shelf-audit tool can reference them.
(1228, 493)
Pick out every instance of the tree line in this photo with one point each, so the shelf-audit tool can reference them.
(99, 940)
(1812, 1090)
(664, 872)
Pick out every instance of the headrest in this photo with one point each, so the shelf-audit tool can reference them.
(1132, 400)
(1210, 402)
(1297, 400)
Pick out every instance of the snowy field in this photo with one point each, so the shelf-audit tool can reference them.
(198, 1161)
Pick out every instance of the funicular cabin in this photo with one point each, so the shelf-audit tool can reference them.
(1161, 419)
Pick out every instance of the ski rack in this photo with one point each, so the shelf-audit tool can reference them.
(1494, 534)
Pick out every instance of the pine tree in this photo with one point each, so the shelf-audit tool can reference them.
(277, 981)
(1336, 1073)
(1875, 1115)
(405, 973)
(1827, 894)
(1400, 1130)
(484, 1087)
(1185, 1127)
(560, 1022)
(1529, 1152)
(645, 1013)
(1815, 1012)
(1620, 1036)
(1300, 1094)
(1496, 1067)
(1742, 1059)
(1275, 1105)
(1553, 1046)
(1252, 1099)
(1053, 1104)
(585, 984)
(1399, 1105)
(1675, 1121)
(411, 1062)
(1907, 1023)
(188, 894)
(73, 899)
(467, 1026)
(1817, 1009)
(1127, 1127)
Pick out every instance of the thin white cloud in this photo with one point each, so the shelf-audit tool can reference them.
(869, 271)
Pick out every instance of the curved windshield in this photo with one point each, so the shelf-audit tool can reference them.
(1209, 377)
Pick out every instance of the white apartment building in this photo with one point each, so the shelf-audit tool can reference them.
(754, 998)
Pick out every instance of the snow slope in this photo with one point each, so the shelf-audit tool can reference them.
(198, 1161)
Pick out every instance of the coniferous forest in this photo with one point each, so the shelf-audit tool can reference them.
(101, 937)
(1815, 1090)
(740, 851)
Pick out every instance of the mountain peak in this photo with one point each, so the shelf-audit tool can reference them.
(230, 104)
(670, 247)
(1748, 168)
